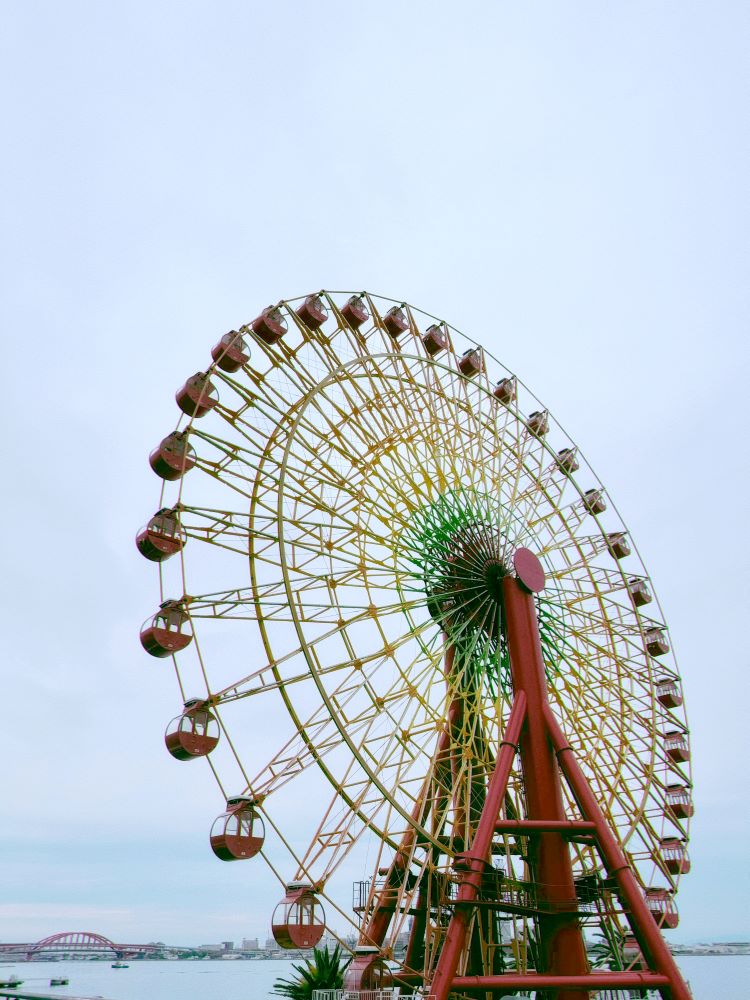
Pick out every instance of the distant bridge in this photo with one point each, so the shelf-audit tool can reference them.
(80, 944)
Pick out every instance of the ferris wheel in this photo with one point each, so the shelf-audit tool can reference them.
(352, 494)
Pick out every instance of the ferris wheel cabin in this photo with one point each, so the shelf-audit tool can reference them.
(194, 733)
(436, 339)
(162, 537)
(355, 311)
(270, 326)
(567, 460)
(299, 919)
(239, 832)
(198, 396)
(639, 592)
(471, 362)
(538, 422)
(656, 641)
(395, 322)
(631, 952)
(679, 801)
(505, 390)
(313, 312)
(594, 502)
(663, 907)
(163, 634)
(669, 692)
(677, 746)
(173, 457)
(231, 352)
(618, 544)
(675, 855)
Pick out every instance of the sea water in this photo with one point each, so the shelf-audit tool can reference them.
(711, 978)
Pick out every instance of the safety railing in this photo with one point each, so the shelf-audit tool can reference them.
(389, 993)
(637, 994)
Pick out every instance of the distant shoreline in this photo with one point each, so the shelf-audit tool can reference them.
(680, 951)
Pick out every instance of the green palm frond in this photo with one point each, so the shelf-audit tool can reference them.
(324, 971)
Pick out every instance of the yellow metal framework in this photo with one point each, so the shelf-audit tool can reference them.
(311, 470)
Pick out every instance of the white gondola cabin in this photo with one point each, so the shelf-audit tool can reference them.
(538, 422)
(656, 640)
(567, 460)
(618, 544)
(594, 502)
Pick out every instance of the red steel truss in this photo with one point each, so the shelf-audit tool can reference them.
(546, 761)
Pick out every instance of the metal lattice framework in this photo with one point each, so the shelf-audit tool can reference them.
(354, 495)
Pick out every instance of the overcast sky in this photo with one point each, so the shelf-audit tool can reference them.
(561, 181)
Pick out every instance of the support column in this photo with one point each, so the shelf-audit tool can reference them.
(474, 862)
(642, 923)
(561, 941)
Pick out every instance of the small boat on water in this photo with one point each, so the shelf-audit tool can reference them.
(59, 982)
(13, 981)
(120, 965)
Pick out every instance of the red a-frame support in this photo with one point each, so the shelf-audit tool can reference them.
(546, 758)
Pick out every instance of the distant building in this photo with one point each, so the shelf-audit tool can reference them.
(250, 944)
(271, 944)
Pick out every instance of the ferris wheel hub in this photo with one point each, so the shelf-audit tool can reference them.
(529, 570)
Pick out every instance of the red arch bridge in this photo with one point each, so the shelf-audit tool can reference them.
(87, 944)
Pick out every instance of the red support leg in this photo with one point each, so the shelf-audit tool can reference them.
(545, 753)
(562, 949)
(652, 944)
(476, 859)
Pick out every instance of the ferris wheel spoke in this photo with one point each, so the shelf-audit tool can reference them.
(406, 435)
(576, 556)
(598, 583)
(619, 646)
(269, 678)
(339, 831)
(318, 736)
(422, 403)
(538, 497)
